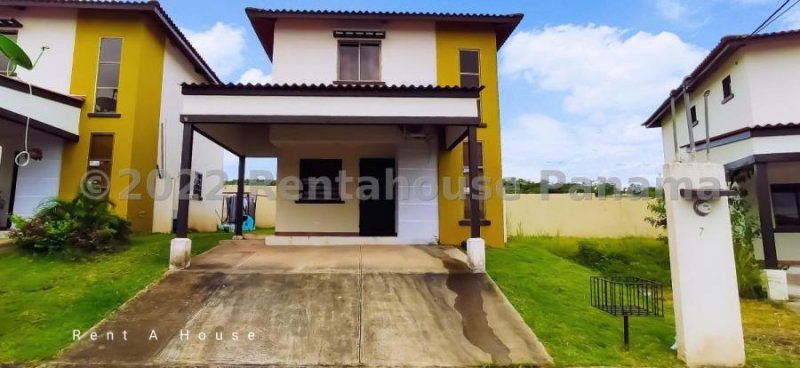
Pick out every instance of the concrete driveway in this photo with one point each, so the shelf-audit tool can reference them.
(244, 303)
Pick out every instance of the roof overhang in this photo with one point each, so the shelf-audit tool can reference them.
(232, 115)
(263, 20)
(727, 46)
(49, 111)
(153, 8)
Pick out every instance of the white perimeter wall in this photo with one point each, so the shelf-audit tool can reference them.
(54, 28)
(206, 156)
(306, 51)
(37, 181)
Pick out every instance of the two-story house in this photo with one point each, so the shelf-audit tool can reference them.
(102, 104)
(743, 113)
(403, 107)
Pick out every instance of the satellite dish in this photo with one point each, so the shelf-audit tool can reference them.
(14, 53)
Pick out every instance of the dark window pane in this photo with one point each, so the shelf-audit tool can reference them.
(102, 147)
(370, 62)
(469, 62)
(106, 100)
(348, 62)
(470, 80)
(784, 204)
(318, 178)
(197, 186)
(111, 50)
(726, 87)
(108, 75)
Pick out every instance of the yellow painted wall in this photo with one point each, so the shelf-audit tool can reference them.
(450, 39)
(139, 99)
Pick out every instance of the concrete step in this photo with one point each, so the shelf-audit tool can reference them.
(244, 242)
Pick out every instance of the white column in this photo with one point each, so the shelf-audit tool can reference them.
(707, 315)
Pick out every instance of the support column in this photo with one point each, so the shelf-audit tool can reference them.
(181, 247)
(708, 322)
(765, 216)
(476, 247)
(474, 202)
(240, 200)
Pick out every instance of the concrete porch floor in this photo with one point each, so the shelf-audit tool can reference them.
(317, 306)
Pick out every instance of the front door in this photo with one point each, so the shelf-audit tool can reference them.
(376, 202)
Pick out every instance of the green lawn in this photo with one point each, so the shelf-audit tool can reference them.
(551, 292)
(42, 298)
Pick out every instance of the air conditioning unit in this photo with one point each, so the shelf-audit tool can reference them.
(414, 132)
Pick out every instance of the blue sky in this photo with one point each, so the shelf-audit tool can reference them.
(576, 79)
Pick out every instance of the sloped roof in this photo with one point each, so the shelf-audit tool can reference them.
(152, 7)
(718, 55)
(263, 20)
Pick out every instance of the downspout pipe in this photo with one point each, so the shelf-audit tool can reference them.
(708, 128)
(687, 106)
(674, 129)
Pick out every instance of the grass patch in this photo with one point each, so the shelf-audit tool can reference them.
(44, 297)
(550, 290)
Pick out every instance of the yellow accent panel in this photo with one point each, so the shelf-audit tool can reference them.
(139, 101)
(449, 40)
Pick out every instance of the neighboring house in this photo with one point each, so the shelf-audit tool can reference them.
(363, 93)
(749, 87)
(106, 98)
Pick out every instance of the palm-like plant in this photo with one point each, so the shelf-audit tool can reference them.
(84, 222)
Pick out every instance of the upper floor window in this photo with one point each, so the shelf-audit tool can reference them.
(4, 63)
(693, 114)
(727, 92)
(108, 72)
(470, 68)
(359, 61)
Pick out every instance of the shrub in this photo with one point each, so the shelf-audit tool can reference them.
(658, 220)
(83, 223)
(745, 228)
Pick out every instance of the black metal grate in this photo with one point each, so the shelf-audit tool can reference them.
(627, 296)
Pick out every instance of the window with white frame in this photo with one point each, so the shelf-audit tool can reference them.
(359, 61)
(108, 72)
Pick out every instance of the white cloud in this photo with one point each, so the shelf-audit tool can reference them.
(222, 46)
(790, 20)
(671, 9)
(609, 81)
(600, 68)
(255, 76)
(585, 148)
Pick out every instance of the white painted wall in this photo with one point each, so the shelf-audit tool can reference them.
(37, 181)
(330, 106)
(206, 156)
(54, 28)
(305, 51)
(765, 78)
(56, 114)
